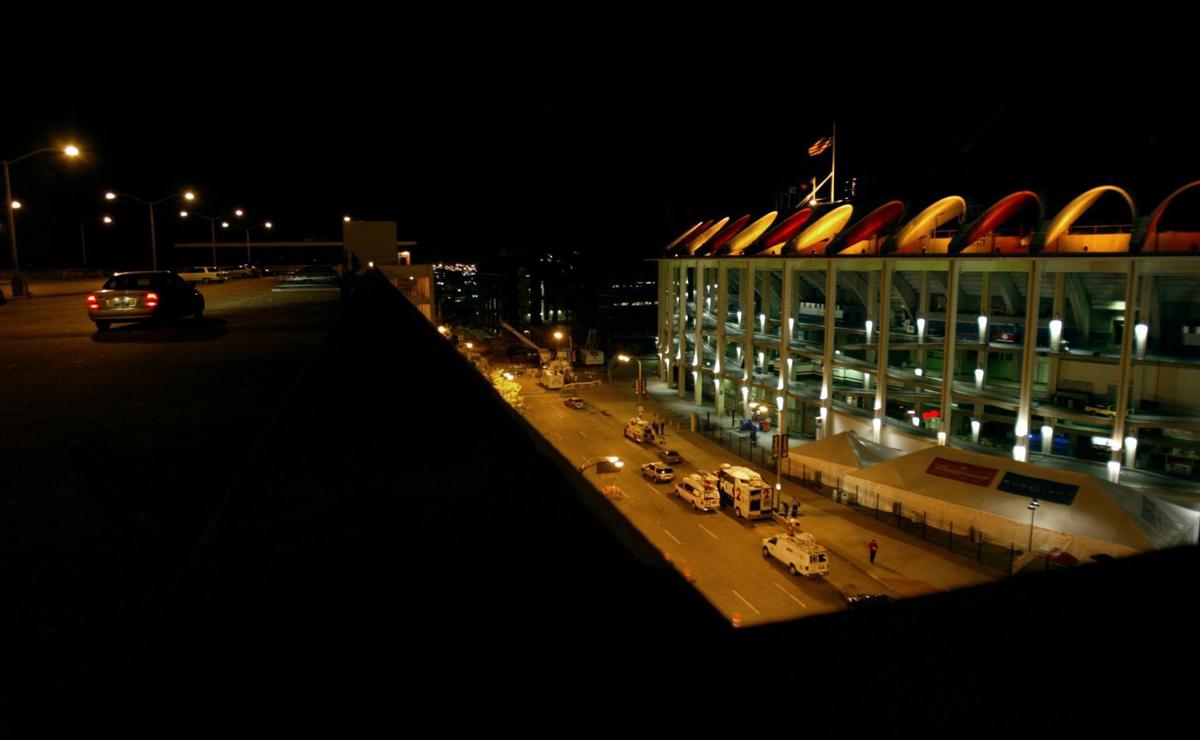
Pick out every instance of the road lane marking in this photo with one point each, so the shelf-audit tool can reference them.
(747, 603)
(581, 433)
(789, 595)
(557, 434)
(677, 542)
(710, 534)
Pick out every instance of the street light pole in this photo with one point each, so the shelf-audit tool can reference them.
(18, 284)
(1033, 507)
(188, 196)
(625, 359)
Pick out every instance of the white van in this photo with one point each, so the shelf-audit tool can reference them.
(639, 430)
(746, 491)
(699, 492)
(799, 552)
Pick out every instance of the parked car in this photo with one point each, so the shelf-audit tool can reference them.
(863, 601)
(243, 271)
(658, 472)
(204, 275)
(309, 276)
(670, 456)
(139, 296)
(574, 402)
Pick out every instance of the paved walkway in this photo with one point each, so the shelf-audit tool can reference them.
(43, 287)
(904, 565)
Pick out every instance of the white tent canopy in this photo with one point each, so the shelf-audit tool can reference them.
(1077, 513)
(832, 459)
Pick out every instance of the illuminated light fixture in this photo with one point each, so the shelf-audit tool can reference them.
(370, 263)
(762, 323)
(1056, 326)
(919, 372)
(110, 195)
(916, 420)
(979, 378)
(1131, 444)
(870, 327)
(779, 402)
(238, 212)
(695, 375)
(920, 330)
(824, 392)
(717, 366)
(780, 384)
(1140, 333)
(789, 364)
(876, 425)
(822, 412)
(982, 329)
(975, 426)
(189, 196)
(739, 352)
(345, 219)
(739, 315)
(1021, 428)
(745, 392)
(1102, 442)
(1047, 439)
(108, 219)
(183, 214)
(762, 360)
(941, 439)
(878, 404)
(71, 150)
(1114, 471)
(791, 325)
(1019, 453)
(16, 205)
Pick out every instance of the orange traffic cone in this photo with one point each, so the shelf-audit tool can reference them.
(737, 619)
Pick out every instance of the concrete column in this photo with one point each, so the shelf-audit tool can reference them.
(721, 310)
(681, 358)
(747, 330)
(883, 316)
(697, 358)
(666, 316)
(1124, 373)
(827, 353)
(787, 312)
(949, 351)
(1028, 353)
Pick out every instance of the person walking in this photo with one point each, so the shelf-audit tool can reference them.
(873, 548)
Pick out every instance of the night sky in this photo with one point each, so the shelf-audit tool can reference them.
(534, 132)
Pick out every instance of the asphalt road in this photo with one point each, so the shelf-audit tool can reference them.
(114, 447)
(723, 555)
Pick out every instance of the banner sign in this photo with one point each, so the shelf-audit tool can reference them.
(976, 475)
(1039, 488)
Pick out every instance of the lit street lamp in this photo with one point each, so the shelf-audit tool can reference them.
(18, 283)
(610, 466)
(106, 220)
(640, 389)
(212, 226)
(188, 196)
(264, 225)
(1033, 507)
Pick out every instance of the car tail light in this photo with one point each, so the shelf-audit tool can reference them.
(151, 300)
(92, 301)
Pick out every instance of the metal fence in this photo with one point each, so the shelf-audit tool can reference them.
(992, 552)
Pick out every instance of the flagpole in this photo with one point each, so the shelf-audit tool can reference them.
(833, 170)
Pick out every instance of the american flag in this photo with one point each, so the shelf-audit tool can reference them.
(820, 146)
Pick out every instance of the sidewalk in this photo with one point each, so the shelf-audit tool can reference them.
(46, 287)
(905, 565)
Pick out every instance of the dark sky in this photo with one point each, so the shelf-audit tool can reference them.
(548, 132)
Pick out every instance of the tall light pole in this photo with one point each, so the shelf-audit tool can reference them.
(212, 226)
(106, 220)
(1033, 507)
(264, 225)
(625, 359)
(18, 283)
(610, 465)
(188, 196)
